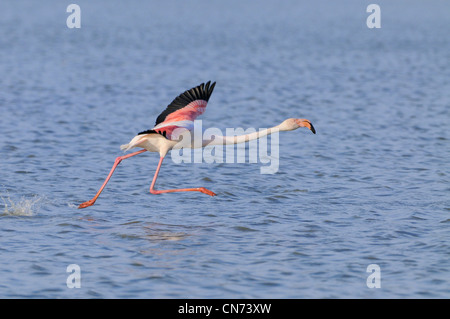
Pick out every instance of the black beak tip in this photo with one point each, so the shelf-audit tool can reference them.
(313, 129)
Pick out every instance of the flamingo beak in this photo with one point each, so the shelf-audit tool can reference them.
(306, 123)
(312, 128)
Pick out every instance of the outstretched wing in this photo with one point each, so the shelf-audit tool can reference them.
(187, 105)
(183, 110)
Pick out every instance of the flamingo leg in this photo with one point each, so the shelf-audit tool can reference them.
(116, 162)
(154, 191)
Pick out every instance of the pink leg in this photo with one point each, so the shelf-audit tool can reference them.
(116, 162)
(198, 189)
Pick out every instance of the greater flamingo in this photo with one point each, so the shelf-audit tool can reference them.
(171, 126)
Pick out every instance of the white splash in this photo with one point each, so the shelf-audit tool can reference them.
(22, 207)
(71, 205)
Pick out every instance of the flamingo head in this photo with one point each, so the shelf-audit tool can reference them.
(293, 124)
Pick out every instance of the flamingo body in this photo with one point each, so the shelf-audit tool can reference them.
(177, 119)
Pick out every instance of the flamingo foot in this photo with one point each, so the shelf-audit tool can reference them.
(207, 191)
(87, 204)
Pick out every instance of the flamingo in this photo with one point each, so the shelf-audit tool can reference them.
(171, 128)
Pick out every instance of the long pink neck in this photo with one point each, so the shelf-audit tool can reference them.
(230, 140)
